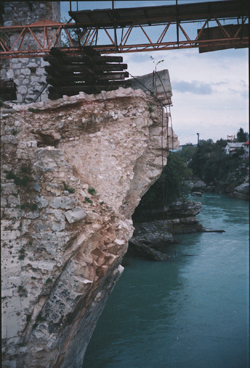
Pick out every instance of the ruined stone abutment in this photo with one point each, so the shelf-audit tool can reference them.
(73, 171)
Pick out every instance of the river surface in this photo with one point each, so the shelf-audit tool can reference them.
(189, 312)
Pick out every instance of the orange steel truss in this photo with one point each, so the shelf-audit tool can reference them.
(50, 33)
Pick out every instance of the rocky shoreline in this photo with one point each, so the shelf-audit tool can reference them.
(152, 237)
(198, 187)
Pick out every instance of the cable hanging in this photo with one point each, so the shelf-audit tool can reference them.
(168, 116)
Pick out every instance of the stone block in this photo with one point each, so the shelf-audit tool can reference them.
(13, 201)
(23, 89)
(40, 71)
(12, 213)
(30, 144)
(25, 71)
(58, 224)
(19, 97)
(10, 234)
(67, 202)
(37, 187)
(9, 139)
(32, 64)
(243, 188)
(75, 215)
(10, 74)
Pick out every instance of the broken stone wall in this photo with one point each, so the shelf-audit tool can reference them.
(157, 83)
(73, 171)
(28, 73)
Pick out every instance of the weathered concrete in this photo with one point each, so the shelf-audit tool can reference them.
(157, 83)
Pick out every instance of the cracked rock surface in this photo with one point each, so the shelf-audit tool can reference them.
(72, 174)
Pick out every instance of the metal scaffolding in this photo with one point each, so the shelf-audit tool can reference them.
(36, 40)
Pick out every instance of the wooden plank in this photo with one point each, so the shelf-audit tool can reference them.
(82, 68)
(67, 81)
(7, 84)
(67, 70)
(110, 67)
(97, 59)
(52, 71)
(87, 50)
(81, 60)
(89, 73)
(83, 56)
(71, 90)
(70, 69)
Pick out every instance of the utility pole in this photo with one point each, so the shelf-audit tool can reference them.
(198, 138)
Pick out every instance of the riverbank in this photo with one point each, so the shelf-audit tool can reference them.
(237, 190)
(152, 239)
(155, 229)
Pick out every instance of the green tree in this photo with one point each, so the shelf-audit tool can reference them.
(242, 136)
(187, 151)
(211, 164)
(170, 186)
(200, 156)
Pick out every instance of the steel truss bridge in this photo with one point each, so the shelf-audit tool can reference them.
(121, 27)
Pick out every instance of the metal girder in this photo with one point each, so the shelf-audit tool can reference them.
(44, 35)
(152, 15)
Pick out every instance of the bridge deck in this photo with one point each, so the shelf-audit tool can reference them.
(128, 30)
(125, 17)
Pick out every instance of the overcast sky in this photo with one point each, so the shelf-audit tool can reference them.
(210, 90)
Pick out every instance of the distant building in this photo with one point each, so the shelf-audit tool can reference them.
(246, 147)
(232, 147)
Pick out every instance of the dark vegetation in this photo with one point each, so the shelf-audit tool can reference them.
(211, 164)
(207, 161)
(68, 188)
(170, 186)
(91, 191)
(31, 109)
(242, 136)
(22, 179)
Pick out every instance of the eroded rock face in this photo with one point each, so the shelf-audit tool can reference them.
(73, 171)
(148, 240)
(242, 191)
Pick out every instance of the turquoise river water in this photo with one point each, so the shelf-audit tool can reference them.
(190, 312)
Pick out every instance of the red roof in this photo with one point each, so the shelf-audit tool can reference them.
(246, 143)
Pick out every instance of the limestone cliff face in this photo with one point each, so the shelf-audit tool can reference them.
(73, 171)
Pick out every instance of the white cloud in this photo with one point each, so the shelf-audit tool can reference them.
(195, 87)
(216, 104)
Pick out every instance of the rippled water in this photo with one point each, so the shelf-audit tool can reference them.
(190, 312)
